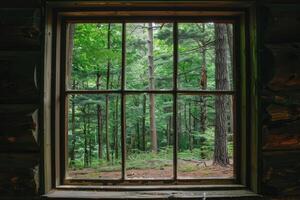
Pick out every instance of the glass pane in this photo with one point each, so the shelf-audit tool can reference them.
(205, 56)
(94, 57)
(149, 136)
(205, 135)
(94, 136)
(149, 56)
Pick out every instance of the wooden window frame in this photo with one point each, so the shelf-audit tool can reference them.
(246, 154)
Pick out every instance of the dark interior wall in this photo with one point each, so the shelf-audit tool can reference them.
(21, 62)
(20, 65)
(280, 98)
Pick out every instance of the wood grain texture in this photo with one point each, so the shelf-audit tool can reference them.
(287, 66)
(20, 28)
(281, 173)
(17, 182)
(280, 100)
(282, 136)
(17, 79)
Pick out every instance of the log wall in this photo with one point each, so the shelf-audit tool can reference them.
(20, 66)
(280, 99)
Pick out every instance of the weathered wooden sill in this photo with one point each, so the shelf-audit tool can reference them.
(157, 194)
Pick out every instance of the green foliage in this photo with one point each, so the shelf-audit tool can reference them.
(96, 60)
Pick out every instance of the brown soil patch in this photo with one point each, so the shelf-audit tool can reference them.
(186, 170)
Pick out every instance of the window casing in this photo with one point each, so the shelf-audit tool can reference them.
(121, 14)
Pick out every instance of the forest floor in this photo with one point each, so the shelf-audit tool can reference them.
(187, 169)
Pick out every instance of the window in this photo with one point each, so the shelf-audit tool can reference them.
(130, 85)
(149, 95)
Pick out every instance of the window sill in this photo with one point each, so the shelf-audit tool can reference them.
(156, 194)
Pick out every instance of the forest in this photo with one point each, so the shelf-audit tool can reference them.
(142, 93)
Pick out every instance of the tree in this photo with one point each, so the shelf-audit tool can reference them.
(107, 97)
(151, 87)
(70, 61)
(230, 46)
(221, 77)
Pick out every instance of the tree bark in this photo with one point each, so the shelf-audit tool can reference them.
(144, 123)
(70, 61)
(116, 141)
(230, 45)
(89, 137)
(151, 87)
(221, 78)
(85, 155)
(191, 139)
(99, 120)
(107, 98)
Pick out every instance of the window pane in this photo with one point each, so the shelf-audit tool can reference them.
(149, 136)
(95, 56)
(205, 56)
(94, 136)
(205, 135)
(149, 55)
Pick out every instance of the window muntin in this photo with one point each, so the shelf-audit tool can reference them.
(175, 90)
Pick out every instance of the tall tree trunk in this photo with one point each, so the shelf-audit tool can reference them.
(230, 45)
(144, 123)
(107, 97)
(151, 87)
(203, 101)
(138, 134)
(116, 141)
(203, 86)
(221, 77)
(89, 137)
(190, 128)
(69, 71)
(85, 154)
(170, 130)
(99, 120)
(73, 140)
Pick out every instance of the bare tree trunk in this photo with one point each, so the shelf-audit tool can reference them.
(151, 86)
(190, 128)
(203, 101)
(168, 133)
(170, 130)
(107, 98)
(220, 151)
(73, 140)
(230, 45)
(99, 120)
(89, 137)
(116, 141)
(138, 134)
(144, 123)
(69, 67)
(203, 86)
(85, 155)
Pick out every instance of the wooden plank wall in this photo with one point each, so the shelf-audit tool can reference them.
(280, 92)
(20, 66)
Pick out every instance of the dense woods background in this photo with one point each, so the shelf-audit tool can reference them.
(204, 122)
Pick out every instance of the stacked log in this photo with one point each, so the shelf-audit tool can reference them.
(280, 97)
(20, 65)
